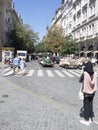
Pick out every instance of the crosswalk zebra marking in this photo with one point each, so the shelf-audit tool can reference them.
(79, 71)
(30, 73)
(8, 73)
(59, 73)
(74, 73)
(67, 73)
(6, 70)
(50, 74)
(40, 72)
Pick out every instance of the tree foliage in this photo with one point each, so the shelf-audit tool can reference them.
(70, 47)
(56, 42)
(40, 47)
(22, 37)
(55, 39)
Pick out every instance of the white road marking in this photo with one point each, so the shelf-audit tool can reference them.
(67, 73)
(74, 73)
(50, 74)
(59, 73)
(40, 72)
(30, 73)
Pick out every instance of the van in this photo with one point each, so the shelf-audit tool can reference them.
(22, 54)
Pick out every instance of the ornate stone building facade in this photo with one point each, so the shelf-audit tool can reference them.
(8, 16)
(79, 18)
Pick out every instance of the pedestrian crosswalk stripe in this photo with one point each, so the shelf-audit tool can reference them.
(67, 73)
(50, 74)
(7, 68)
(8, 73)
(59, 73)
(30, 73)
(74, 73)
(40, 72)
(79, 71)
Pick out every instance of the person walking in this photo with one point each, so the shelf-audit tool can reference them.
(16, 63)
(22, 66)
(89, 80)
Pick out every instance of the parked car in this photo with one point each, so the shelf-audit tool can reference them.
(71, 64)
(68, 62)
(55, 59)
(46, 62)
(62, 62)
(79, 62)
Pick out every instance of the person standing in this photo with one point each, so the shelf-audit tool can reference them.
(16, 63)
(89, 80)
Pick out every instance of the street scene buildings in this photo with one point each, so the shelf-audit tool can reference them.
(8, 16)
(43, 93)
(79, 19)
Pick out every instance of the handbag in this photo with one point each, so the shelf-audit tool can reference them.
(81, 94)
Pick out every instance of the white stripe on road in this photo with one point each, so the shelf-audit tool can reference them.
(79, 71)
(8, 73)
(40, 72)
(74, 73)
(50, 74)
(30, 73)
(59, 73)
(67, 73)
(7, 69)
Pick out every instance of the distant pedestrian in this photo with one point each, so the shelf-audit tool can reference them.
(16, 63)
(89, 80)
(22, 66)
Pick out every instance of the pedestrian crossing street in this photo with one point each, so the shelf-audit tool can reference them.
(47, 72)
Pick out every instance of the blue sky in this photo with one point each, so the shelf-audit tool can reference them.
(38, 14)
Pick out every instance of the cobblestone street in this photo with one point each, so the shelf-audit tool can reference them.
(21, 109)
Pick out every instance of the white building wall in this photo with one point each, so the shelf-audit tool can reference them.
(83, 24)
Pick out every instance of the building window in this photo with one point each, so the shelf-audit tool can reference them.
(92, 9)
(9, 20)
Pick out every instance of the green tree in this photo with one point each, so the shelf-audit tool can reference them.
(22, 37)
(55, 39)
(40, 47)
(69, 47)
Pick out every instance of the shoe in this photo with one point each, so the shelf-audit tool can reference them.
(85, 122)
(90, 120)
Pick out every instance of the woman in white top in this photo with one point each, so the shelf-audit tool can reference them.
(22, 66)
